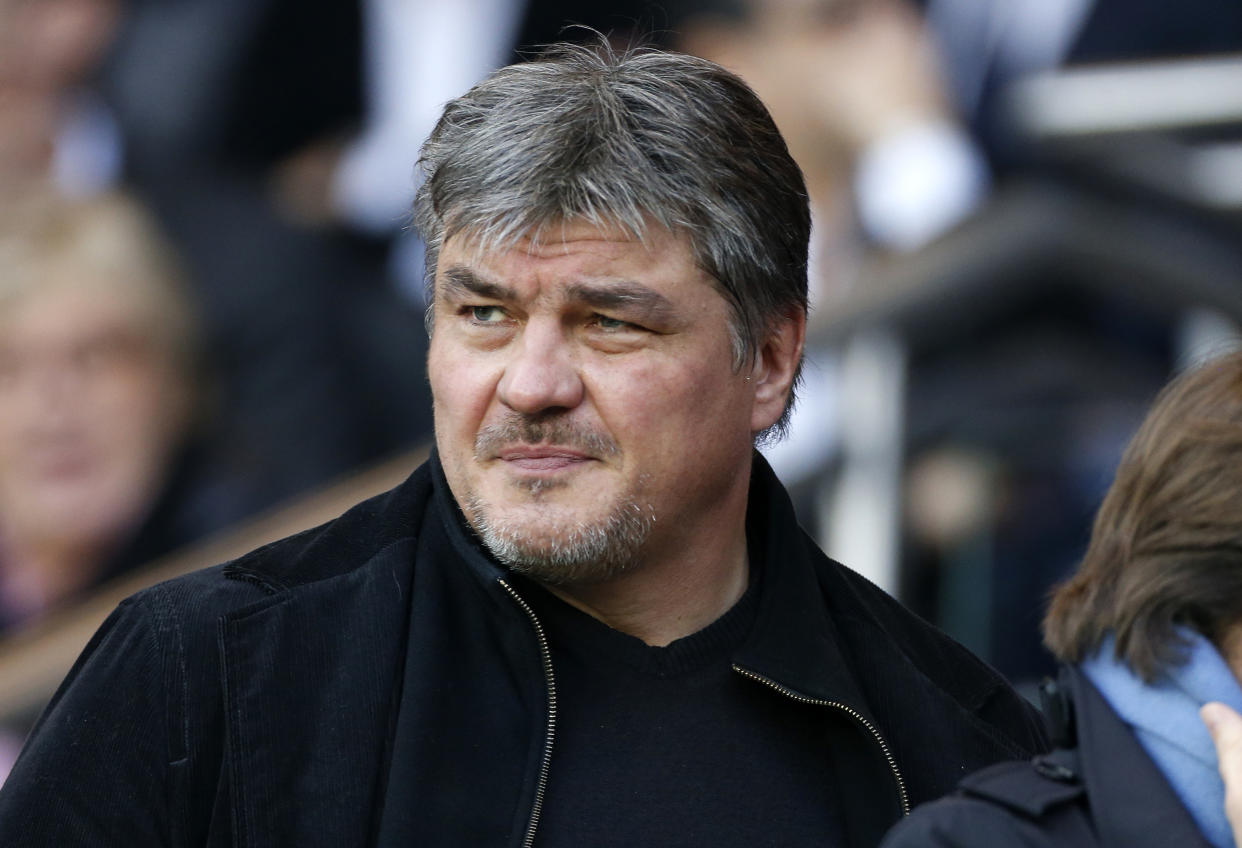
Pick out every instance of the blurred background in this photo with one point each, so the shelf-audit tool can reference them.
(1027, 217)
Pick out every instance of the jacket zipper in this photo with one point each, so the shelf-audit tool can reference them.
(546, 656)
(852, 713)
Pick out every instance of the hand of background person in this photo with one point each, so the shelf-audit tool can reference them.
(1225, 725)
(301, 185)
(837, 75)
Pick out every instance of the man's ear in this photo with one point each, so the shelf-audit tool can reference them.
(775, 366)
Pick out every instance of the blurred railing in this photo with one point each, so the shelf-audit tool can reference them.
(1035, 243)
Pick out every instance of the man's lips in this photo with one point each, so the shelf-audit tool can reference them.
(542, 457)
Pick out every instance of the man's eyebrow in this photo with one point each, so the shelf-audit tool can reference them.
(624, 294)
(459, 282)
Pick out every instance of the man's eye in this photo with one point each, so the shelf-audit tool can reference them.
(606, 323)
(487, 314)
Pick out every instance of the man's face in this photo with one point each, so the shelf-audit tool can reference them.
(587, 412)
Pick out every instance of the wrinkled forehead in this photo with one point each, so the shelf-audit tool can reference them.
(575, 253)
(548, 236)
(536, 236)
(481, 246)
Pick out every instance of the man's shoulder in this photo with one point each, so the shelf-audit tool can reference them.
(863, 611)
(879, 636)
(896, 654)
(332, 549)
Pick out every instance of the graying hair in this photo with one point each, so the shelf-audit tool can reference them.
(628, 139)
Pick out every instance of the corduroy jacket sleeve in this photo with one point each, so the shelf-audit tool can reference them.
(95, 770)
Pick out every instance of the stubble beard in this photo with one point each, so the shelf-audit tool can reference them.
(559, 552)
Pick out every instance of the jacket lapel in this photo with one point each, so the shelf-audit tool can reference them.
(1133, 804)
(311, 684)
(794, 649)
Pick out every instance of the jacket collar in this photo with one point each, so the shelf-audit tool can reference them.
(795, 649)
(311, 674)
(794, 642)
(308, 711)
(466, 544)
(1131, 802)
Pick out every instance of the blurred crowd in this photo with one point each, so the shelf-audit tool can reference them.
(993, 301)
(210, 300)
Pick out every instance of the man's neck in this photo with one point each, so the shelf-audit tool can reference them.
(660, 604)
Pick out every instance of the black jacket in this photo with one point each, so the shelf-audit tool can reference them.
(252, 704)
(1098, 790)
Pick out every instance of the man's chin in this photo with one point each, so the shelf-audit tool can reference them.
(534, 504)
(563, 545)
(555, 565)
(570, 486)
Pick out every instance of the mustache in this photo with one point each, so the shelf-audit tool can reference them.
(532, 430)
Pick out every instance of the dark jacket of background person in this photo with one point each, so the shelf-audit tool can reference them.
(1100, 790)
(253, 703)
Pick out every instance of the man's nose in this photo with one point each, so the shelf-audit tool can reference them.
(541, 374)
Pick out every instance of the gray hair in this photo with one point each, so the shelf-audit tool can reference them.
(627, 139)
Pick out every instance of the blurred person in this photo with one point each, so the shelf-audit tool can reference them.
(54, 129)
(310, 343)
(100, 400)
(1149, 630)
(857, 89)
(871, 93)
(590, 618)
(987, 45)
(274, 139)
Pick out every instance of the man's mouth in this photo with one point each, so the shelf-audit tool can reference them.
(542, 457)
(542, 445)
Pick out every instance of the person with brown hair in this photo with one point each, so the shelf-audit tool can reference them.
(1149, 630)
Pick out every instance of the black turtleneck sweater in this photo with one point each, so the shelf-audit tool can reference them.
(669, 746)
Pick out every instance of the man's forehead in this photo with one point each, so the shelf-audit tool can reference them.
(478, 244)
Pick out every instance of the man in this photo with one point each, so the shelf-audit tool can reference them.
(591, 618)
